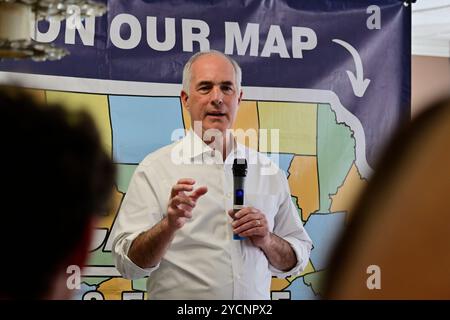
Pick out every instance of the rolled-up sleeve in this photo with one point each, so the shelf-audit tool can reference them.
(127, 268)
(139, 212)
(289, 227)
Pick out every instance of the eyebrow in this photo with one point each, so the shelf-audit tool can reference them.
(203, 83)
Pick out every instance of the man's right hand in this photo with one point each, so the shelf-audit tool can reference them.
(181, 204)
(150, 246)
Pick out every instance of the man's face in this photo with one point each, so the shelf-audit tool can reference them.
(213, 98)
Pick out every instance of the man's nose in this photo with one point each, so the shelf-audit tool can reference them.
(216, 96)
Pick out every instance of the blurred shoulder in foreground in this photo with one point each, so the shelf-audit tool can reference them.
(397, 243)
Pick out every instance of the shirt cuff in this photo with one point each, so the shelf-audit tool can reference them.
(129, 269)
(301, 252)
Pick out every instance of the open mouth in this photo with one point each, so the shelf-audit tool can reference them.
(215, 114)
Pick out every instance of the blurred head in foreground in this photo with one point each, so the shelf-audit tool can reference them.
(55, 178)
(397, 245)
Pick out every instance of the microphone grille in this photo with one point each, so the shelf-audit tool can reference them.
(240, 167)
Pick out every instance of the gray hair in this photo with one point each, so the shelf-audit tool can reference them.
(188, 66)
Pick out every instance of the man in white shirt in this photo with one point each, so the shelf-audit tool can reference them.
(181, 236)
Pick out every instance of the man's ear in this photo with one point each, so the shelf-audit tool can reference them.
(240, 96)
(184, 98)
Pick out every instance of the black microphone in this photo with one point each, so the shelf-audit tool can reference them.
(239, 174)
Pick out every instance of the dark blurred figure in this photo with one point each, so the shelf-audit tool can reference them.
(55, 178)
(397, 242)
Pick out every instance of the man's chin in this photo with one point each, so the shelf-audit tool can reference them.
(216, 125)
(215, 128)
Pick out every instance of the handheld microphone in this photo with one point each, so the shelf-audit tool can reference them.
(239, 174)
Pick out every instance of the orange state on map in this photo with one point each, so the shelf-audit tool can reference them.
(346, 195)
(304, 184)
(112, 289)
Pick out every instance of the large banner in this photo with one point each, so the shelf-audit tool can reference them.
(332, 76)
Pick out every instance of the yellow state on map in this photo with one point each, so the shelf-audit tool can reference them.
(304, 184)
(279, 284)
(96, 105)
(297, 124)
(346, 194)
(308, 269)
(112, 289)
(246, 118)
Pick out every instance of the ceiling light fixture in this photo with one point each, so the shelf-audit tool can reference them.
(18, 18)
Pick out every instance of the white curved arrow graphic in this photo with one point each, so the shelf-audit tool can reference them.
(358, 82)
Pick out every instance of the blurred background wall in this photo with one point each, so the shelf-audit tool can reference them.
(430, 80)
(431, 52)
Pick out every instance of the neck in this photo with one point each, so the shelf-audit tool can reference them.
(229, 144)
(225, 143)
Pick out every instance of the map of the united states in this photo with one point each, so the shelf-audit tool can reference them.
(316, 151)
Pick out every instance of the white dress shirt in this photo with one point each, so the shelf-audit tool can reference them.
(203, 261)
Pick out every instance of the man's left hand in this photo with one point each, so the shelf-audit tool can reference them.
(252, 223)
